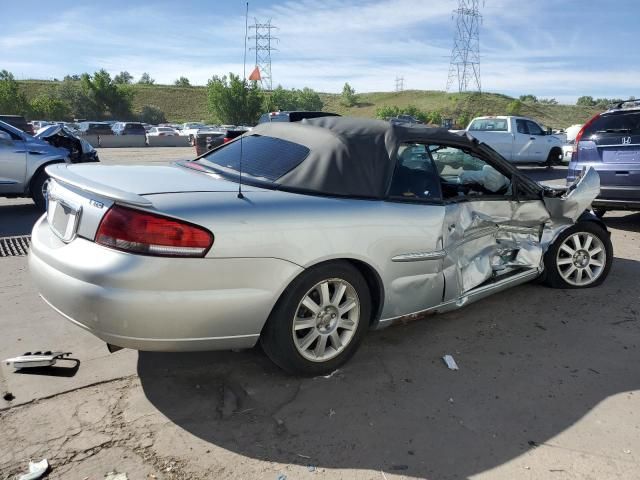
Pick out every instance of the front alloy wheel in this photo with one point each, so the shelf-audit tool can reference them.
(319, 321)
(581, 257)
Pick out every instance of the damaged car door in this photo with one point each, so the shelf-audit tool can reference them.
(492, 227)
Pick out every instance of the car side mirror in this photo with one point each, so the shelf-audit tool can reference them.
(549, 131)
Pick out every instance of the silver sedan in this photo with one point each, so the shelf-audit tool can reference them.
(303, 236)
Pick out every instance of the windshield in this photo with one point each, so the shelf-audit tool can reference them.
(264, 158)
(627, 122)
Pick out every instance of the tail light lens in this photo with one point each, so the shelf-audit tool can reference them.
(145, 233)
(226, 139)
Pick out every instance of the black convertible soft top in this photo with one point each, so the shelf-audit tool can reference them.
(351, 156)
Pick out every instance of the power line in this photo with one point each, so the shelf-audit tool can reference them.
(464, 67)
(399, 84)
(263, 48)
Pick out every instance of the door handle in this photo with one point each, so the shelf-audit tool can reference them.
(532, 138)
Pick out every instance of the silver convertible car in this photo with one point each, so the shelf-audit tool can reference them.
(303, 236)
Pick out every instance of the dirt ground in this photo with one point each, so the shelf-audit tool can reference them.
(548, 388)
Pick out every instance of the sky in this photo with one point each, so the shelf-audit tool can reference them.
(549, 48)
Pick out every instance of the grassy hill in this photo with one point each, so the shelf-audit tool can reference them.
(190, 103)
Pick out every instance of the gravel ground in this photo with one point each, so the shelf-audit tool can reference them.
(548, 388)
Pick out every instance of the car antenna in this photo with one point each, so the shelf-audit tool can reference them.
(244, 80)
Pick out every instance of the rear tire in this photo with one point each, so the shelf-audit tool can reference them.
(581, 257)
(319, 321)
(39, 189)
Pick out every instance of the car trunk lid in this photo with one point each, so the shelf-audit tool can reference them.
(130, 184)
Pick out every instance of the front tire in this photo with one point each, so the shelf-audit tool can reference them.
(554, 158)
(581, 257)
(319, 321)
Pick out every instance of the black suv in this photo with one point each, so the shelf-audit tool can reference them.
(610, 143)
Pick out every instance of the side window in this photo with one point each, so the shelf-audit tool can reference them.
(8, 137)
(522, 127)
(464, 175)
(415, 176)
(534, 128)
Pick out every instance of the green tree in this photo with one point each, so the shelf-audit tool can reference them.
(152, 114)
(145, 79)
(49, 107)
(182, 82)
(529, 98)
(308, 99)
(586, 101)
(514, 107)
(348, 95)
(435, 118)
(109, 99)
(12, 100)
(123, 78)
(548, 101)
(280, 99)
(77, 99)
(233, 100)
(75, 77)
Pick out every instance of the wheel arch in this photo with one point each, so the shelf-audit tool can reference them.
(368, 272)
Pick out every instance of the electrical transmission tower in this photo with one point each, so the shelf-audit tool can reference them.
(399, 84)
(464, 67)
(263, 48)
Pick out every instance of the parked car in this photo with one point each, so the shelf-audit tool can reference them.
(610, 143)
(517, 139)
(208, 140)
(342, 225)
(94, 128)
(292, 116)
(161, 132)
(128, 128)
(19, 122)
(23, 159)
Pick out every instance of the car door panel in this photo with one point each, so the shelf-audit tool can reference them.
(13, 165)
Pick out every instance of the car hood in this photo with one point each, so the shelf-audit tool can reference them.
(51, 130)
(131, 183)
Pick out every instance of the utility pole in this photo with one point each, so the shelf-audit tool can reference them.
(399, 84)
(464, 67)
(263, 48)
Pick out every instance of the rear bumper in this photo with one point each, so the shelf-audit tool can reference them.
(157, 304)
(618, 197)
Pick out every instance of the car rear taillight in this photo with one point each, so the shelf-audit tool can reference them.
(145, 233)
(576, 146)
(226, 140)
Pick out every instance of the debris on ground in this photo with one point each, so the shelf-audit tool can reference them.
(331, 374)
(282, 476)
(450, 362)
(311, 468)
(332, 412)
(116, 476)
(36, 470)
(8, 396)
(36, 359)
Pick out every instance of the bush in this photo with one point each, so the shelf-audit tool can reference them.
(514, 108)
(152, 114)
(234, 101)
(348, 95)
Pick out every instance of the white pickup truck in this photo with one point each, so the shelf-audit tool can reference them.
(517, 139)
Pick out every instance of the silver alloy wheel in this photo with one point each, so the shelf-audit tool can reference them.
(326, 320)
(581, 259)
